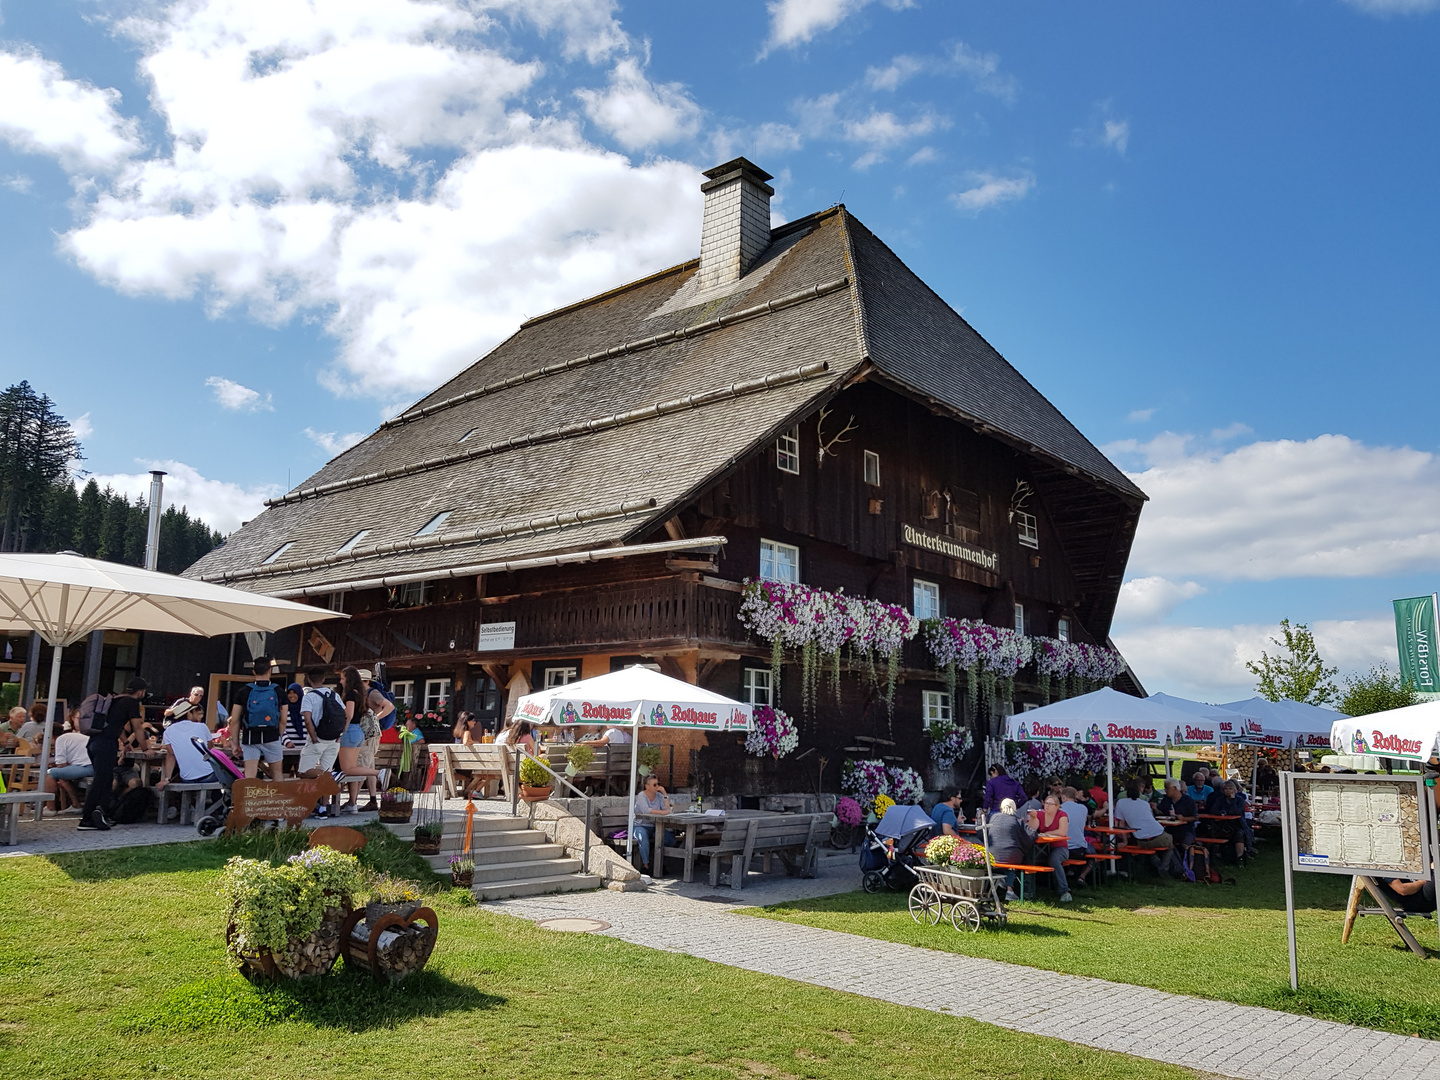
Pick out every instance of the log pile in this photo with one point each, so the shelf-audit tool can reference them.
(392, 946)
(304, 957)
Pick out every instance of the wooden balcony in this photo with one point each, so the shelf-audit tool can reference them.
(631, 618)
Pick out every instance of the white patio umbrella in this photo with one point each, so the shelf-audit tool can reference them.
(1103, 717)
(1284, 723)
(65, 597)
(1411, 732)
(1216, 724)
(635, 697)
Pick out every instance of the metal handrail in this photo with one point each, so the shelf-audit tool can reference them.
(515, 799)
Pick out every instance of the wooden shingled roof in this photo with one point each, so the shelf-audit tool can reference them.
(594, 423)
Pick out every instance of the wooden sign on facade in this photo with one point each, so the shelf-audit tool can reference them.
(291, 801)
(321, 644)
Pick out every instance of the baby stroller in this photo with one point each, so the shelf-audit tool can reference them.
(226, 773)
(889, 852)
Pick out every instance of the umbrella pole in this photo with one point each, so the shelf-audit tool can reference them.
(630, 826)
(1110, 784)
(49, 726)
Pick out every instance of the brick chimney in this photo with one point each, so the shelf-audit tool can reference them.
(737, 221)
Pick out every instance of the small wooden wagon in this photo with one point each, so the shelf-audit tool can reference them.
(965, 897)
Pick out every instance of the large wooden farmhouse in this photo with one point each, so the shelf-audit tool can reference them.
(794, 404)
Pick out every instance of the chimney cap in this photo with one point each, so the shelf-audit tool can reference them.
(738, 168)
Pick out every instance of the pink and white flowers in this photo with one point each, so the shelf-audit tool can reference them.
(906, 787)
(772, 732)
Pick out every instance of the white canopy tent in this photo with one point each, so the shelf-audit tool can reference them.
(1283, 724)
(635, 697)
(65, 597)
(1103, 717)
(1411, 733)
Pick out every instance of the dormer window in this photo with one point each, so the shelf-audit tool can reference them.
(274, 556)
(473, 431)
(787, 452)
(349, 545)
(434, 524)
(872, 468)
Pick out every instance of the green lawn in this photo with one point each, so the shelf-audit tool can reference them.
(1218, 941)
(113, 965)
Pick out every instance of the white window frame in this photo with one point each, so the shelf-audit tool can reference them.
(1027, 526)
(435, 524)
(758, 688)
(404, 691)
(787, 452)
(561, 676)
(1020, 619)
(872, 468)
(414, 593)
(1027, 706)
(436, 691)
(349, 545)
(935, 705)
(1062, 629)
(930, 591)
(771, 552)
(274, 556)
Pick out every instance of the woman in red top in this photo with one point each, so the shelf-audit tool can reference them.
(1050, 820)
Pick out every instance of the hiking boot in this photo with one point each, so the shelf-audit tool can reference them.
(94, 824)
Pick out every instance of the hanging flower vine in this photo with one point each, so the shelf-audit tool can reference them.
(772, 733)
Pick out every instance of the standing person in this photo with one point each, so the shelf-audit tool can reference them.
(72, 763)
(352, 694)
(257, 722)
(181, 755)
(1002, 786)
(296, 735)
(125, 712)
(379, 714)
(323, 714)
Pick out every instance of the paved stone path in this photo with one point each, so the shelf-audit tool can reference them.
(1211, 1036)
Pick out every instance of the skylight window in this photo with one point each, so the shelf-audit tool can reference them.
(468, 434)
(349, 545)
(275, 555)
(434, 524)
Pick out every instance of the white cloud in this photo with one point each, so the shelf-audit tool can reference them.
(1208, 663)
(1116, 135)
(983, 70)
(900, 70)
(218, 503)
(991, 190)
(43, 112)
(231, 395)
(639, 113)
(1149, 599)
(400, 171)
(1140, 416)
(923, 156)
(794, 22)
(333, 443)
(1325, 507)
(18, 182)
(1394, 7)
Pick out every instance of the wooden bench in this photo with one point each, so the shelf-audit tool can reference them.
(190, 801)
(731, 844)
(610, 771)
(483, 763)
(1023, 868)
(793, 838)
(12, 801)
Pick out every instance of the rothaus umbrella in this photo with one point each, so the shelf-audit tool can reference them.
(635, 697)
(66, 597)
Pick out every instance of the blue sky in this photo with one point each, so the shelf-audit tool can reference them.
(238, 234)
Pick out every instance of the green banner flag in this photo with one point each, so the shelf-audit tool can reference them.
(1415, 634)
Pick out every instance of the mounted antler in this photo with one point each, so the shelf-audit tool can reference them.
(826, 444)
(1019, 497)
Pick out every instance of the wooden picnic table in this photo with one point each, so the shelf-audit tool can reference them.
(1220, 817)
(694, 826)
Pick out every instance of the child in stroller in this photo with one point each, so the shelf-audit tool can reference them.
(226, 773)
(889, 850)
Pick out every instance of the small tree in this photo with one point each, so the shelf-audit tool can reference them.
(1297, 673)
(1382, 689)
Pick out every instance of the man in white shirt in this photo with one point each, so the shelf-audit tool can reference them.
(72, 764)
(318, 755)
(180, 752)
(1135, 813)
(615, 735)
(1076, 815)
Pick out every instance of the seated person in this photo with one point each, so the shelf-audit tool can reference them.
(947, 814)
(1076, 816)
(1199, 788)
(618, 736)
(10, 730)
(33, 730)
(1098, 795)
(652, 800)
(1036, 798)
(1051, 821)
(1228, 802)
(1415, 897)
(1009, 838)
(1177, 804)
(1134, 812)
(180, 752)
(72, 764)
(193, 699)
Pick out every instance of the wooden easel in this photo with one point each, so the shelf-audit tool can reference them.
(1359, 884)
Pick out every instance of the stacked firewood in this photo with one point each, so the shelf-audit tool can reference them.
(399, 947)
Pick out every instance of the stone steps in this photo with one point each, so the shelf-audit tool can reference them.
(511, 858)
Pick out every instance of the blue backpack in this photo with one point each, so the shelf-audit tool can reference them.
(262, 706)
(388, 695)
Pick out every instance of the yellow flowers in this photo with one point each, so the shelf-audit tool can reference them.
(883, 802)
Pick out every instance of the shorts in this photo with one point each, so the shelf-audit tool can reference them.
(71, 772)
(272, 752)
(319, 755)
(366, 760)
(352, 737)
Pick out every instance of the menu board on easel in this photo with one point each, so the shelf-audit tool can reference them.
(1365, 825)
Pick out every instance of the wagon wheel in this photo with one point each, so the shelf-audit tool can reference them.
(925, 905)
(873, 882)
(965, 916)
(842, 837)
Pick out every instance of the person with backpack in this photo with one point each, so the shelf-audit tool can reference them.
(257, 721)
(325, 721)
(352, 741)
(105, 720)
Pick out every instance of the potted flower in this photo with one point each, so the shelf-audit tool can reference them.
(882, 803)
(462, 871)
(427, 837)
(965, 863)
(535, 781)
(286, 920)
(647, 759)
(391, 896)
(396, 806)
(579, 759)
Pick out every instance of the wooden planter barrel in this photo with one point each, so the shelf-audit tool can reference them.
(397, 944)
(303, 958)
